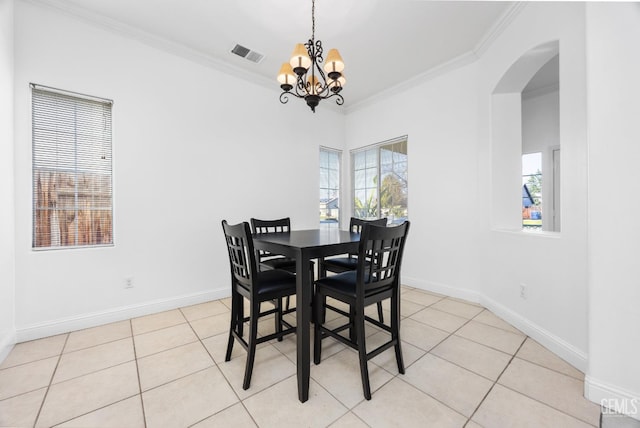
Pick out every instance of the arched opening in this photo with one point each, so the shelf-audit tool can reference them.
(526, 143)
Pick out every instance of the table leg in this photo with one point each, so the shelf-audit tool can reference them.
(303, 317)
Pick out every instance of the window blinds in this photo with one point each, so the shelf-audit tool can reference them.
(72, 169)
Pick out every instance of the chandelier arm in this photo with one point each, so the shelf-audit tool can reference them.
(284, 97)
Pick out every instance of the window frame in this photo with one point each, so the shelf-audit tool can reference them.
(404, 139)
(339, 180)
(40, 145)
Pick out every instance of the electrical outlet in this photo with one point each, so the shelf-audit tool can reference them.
(523, 291)
(128, 282)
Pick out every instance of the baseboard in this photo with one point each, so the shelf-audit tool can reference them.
(555, 344)
(65, 325)
(558, 346)
(611, 398)
(447, 290)
(7, 341)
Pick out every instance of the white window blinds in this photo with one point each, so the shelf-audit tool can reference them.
(72, 184)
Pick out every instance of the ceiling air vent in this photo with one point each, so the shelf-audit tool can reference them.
(247, 53)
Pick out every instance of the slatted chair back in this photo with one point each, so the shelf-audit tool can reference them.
(380, 256)
(242, 259)
(282, 225)
(356, 225)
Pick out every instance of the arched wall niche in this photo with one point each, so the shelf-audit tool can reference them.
(509, 143)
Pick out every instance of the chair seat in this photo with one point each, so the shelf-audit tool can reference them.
(279, 263)
(346, 263)
(286, 263)
(280, 281)
(345, 284)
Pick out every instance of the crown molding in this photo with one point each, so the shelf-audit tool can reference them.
(151, 40)
(206, 59)
(432, 73)
(507, 17)
(487, 40)
(165, 45)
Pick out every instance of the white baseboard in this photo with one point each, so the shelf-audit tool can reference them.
(65, 325)
(558, 346)
(7, 341)
(612, 398)
(555, 344)
(447, 290)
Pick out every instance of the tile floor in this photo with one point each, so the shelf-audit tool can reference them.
(465, 367)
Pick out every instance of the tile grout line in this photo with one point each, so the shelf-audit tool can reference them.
(545, 404)
(495, 382)
(469, 420)
(135, 356)
(537, 400)
(444, 359)
(221, 372)
(44, 399)
(549, 368)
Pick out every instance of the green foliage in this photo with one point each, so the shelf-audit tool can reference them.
(393, 199)
(534, 184)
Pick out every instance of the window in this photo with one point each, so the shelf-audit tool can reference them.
(72, 188)
(532, 191)
(329, 188)
(380, 185)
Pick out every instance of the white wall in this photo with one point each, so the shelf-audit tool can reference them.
(540, 122)
(439, 117)
(553, 266)
(452, 247)
(191, 145)
(7, 269)
(613, 30)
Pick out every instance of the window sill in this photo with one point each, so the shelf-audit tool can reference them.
(541, 234)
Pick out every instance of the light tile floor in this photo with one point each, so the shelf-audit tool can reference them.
(465, 367)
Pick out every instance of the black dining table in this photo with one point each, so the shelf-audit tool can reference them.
(304, 245)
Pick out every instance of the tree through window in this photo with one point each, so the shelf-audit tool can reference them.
(380, 181)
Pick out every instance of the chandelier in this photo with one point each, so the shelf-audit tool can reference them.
(304, 77)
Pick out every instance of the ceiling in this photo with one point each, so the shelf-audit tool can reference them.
(383, 42)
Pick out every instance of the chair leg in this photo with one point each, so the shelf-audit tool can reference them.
(353, 336)
(278, 317)
(318, 311)
(362, 353)
(253, 335)
(286, 306)
(233, 324)
(240, 312)
(395, 331)
(380, 315)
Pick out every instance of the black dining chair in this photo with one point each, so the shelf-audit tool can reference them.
(376, 278)
(268, 260)
(247, 282)
(348, 262)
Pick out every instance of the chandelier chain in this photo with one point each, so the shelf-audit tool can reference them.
(313, 20)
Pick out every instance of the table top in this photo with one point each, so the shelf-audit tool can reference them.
(309, 238)
(312, 239)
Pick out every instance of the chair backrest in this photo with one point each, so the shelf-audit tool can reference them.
(356, 224)
(271, 226)
(281, 225)
(242, 260)
(380, 256)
